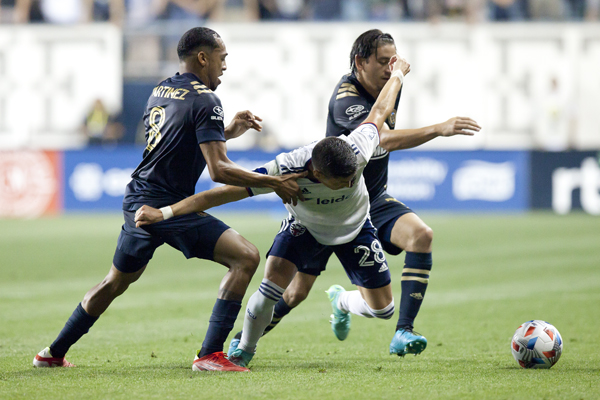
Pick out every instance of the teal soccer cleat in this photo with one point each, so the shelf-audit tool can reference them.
(405, 341)
(240, 357)
(340, 321)
(235, 342)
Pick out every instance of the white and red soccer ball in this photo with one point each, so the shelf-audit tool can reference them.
(536, 344)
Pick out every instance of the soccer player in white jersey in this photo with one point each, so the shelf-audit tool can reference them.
(333, 218)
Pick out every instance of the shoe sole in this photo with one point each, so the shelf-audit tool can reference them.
(415, 348)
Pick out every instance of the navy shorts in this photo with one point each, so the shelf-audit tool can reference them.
(362, 258)
(385, 211)
(195, 235)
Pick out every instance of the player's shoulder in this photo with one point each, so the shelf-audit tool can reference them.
(296, 160)
(349, 98)
(347, 87)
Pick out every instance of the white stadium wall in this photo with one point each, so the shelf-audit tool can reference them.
(49, 78)
(531, 86)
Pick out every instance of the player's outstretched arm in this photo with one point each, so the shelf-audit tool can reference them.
(387, 98)
(223, 170)
(399, 139)
(202, 201)
(242, 121)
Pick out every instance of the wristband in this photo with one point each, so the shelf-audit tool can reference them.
(167, 212)
(400, 75)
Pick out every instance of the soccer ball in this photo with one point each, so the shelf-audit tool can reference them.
(536, 344)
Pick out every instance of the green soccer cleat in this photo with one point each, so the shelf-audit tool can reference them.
(405, 341)
(240, 357)
(340, 321)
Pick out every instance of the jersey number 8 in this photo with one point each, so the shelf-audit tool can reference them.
(155, 122)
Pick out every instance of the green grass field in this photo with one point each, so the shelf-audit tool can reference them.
(490, 274)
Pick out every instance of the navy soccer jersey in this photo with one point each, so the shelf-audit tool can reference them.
(181, 114)
(349, 106)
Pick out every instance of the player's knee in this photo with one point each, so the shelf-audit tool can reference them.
(248, 259)
(423, 238)
(295, 295)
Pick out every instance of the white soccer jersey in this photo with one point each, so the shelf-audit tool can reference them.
(332, 216)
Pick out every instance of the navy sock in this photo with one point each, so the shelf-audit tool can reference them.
(221, 322)
(77, 325)
(280, 311)
(415, 277)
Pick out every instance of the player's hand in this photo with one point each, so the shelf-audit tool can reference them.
(288, 188)
(243, 121)
(146, 215)
(399, 63)
(458, 126)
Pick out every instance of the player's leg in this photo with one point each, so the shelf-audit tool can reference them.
(365, 264)
(134, 250)
(294, 294)
(293, 246)
(415, 237)
(241, 258)
(279, 272)
(369, 303)
(206, 237)
(94, 303)
(398, 228)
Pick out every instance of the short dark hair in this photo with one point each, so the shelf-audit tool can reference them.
(334, 158)
(192, 40)
(367, 44)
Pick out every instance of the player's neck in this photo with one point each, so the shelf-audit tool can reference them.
(371, 89)
(185, 69)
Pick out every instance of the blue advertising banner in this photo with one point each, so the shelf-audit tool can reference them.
(460, 180)
(95, 179)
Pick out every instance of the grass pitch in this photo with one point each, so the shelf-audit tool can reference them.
(490, 274)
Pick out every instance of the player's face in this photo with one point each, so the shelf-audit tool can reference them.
(375, 71)
(337, 182)
(216, 65)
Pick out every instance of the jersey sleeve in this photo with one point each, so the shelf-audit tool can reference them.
(208, 117)
(270, 168)
(364, 139)
(348, 113)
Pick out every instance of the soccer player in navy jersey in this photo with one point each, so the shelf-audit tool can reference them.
(185, 133)
(398, 227)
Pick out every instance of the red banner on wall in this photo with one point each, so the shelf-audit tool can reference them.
(30, 183)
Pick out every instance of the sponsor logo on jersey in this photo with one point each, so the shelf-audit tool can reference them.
(219, 111)
(332, 200)
(355, 111)
(417, 296)
(384, 268)
(305, 191)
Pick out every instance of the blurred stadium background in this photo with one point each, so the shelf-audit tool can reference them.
(75, 76)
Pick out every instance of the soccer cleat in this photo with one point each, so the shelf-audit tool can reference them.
(216, 362)
(405, 341)
(240, 357)
(340, 321)
(44, 359)
(235, 342)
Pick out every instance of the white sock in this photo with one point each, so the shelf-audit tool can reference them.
(352, 301)
(259, 312)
